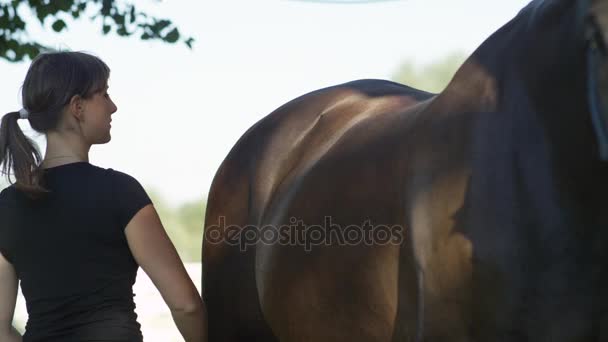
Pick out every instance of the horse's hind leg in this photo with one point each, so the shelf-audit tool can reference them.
(233, 311)
(343, 295)
(229, 287)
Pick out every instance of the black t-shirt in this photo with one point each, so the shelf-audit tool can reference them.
(71, 254)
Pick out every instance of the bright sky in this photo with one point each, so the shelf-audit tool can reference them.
(181, 111)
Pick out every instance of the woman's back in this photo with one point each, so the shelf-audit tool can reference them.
(74, 234)
(70, 252)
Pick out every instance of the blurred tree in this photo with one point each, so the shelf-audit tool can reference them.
(344, 2)
(183, 224)
(432, 77)
(19, 325)
(117, 16)
(192, 218)
(3, 182)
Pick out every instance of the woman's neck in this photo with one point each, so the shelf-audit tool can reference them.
(62, 148)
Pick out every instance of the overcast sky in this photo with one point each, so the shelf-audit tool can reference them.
(180, 111)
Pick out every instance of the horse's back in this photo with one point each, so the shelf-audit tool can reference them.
(268, 165)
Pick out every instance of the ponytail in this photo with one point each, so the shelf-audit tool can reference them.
(20, 154)
(51, 81)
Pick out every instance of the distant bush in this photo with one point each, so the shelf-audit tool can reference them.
(432, 77)
(184, 225)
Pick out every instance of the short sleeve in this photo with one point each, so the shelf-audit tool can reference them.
(5, 223)
(128, 195)
(4, 251)
(4, 246)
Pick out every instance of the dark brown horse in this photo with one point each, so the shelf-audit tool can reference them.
(371, 211)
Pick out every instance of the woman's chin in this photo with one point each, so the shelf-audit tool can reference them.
(105, 140)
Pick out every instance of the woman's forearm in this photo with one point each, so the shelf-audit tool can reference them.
(192, 324)
(9, 334)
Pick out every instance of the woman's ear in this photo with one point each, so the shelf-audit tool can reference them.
(76, 107)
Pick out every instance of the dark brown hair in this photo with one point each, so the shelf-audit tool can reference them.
(51, 81)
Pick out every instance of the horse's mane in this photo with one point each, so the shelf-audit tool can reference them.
(540, 9)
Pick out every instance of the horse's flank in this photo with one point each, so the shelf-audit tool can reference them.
(495, 182)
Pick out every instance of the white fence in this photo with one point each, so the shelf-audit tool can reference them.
(154, 316)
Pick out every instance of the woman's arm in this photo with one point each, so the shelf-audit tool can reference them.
(8, 299)
(154, 252)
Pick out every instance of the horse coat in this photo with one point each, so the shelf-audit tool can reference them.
(493, 194)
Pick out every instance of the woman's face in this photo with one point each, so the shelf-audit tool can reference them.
(97, 116)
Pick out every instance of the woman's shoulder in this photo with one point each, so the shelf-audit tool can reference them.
(122, 181)
(111, 173)
(101, 177)
(11, 202)
(128, 195)
(120, 176)
(7, 194)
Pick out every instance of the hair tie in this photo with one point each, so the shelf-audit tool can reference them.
(23, 113)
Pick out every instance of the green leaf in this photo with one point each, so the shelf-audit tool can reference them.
(106, 7)
(160, 25)
(12, 44)
(122, 31)
(41, 12)
(32, 50)
(59, 25)
(63, 5)
(119, 19)
(172, 36)
(189, 42)
(5, 11)
(5, 18)
(132, 13)
(19, 24)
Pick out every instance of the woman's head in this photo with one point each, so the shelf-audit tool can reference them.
(53, 79)
(61, 91)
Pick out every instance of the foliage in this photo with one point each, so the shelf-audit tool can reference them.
(3, 181)
(19, 325)
(432, 77)
(117, 16)
(183, 224)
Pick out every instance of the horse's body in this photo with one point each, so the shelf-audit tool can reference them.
(495, 181)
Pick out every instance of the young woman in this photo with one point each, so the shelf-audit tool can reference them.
(73, 233)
